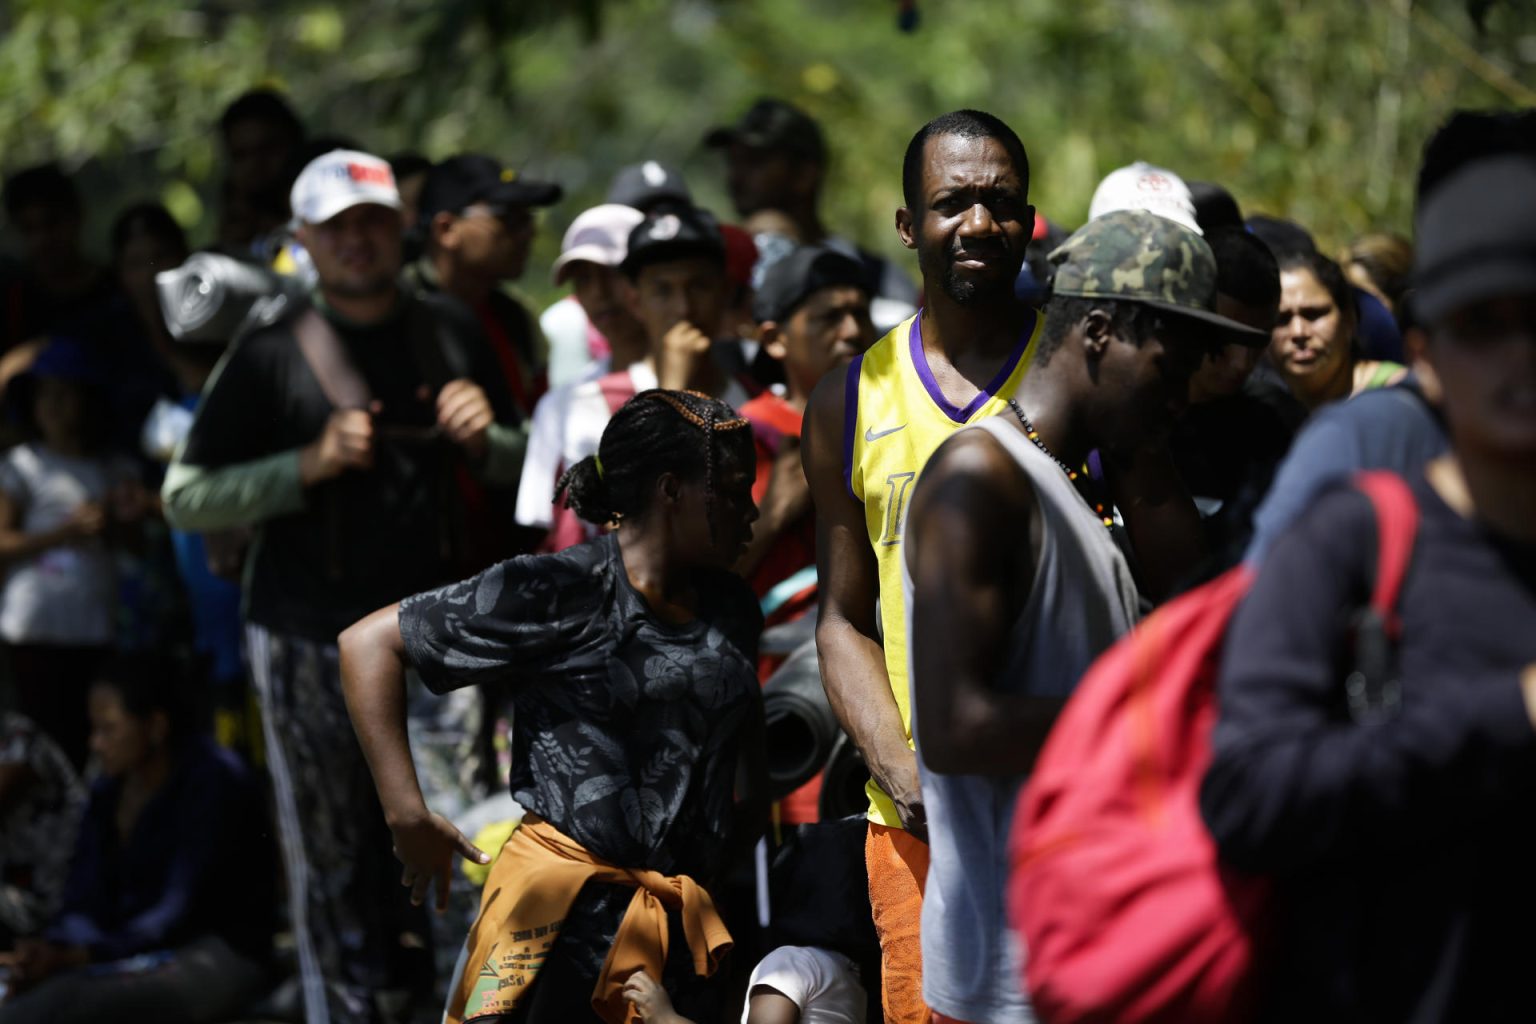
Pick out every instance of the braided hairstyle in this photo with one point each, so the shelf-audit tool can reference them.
(658, 431)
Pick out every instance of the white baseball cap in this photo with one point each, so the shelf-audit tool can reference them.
(1142, 186)
(599, 235)
(340, 180)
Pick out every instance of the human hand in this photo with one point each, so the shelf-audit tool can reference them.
(87, 520)
(345, 443)
(37, 960)
(902, 785)
(651, 1000)
(427, 846)
(464, 412)
(683, 348)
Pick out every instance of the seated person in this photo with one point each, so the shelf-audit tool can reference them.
(167, 912)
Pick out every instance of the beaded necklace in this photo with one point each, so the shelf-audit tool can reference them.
(1072, 474)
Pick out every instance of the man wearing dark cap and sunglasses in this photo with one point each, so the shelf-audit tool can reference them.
(1398, 831)
(776, 160)
(478, 220)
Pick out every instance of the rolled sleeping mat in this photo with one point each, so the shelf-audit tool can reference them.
(213, 299)
(801, 728)
(842, 784)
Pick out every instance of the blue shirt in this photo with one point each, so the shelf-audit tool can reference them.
(197, 862)
(1388, 428)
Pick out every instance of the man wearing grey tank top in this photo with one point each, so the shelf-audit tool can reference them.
(1015, 580)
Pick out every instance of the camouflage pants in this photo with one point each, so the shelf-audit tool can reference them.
(357, 935)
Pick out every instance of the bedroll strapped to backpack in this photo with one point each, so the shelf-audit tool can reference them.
(1115, 886)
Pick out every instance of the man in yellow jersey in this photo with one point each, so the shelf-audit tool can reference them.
(869, 430)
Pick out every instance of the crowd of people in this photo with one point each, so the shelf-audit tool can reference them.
(397, 572)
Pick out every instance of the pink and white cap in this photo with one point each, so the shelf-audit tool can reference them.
(340, 180)
(599, 235)
(1142, 186)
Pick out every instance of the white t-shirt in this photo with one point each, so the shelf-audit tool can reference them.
(823, 984)
(566, 327)
(66, 594)
(567, 425)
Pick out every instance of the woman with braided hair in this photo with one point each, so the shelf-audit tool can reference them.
(636, 724)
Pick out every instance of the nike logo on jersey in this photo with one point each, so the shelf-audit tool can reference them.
(870, 434)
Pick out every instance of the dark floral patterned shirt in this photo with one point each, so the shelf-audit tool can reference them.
(626, 729)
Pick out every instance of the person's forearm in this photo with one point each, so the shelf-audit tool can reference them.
(859, 691)
(17, 544)
(196, 498)
(1292, 797)
(373, 683)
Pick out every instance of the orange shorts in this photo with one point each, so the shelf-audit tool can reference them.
(898, 867)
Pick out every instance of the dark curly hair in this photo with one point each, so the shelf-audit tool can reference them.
(656, 432)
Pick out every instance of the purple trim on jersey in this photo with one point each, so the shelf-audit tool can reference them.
(851, 419)
(924, 374)
(1095, 465)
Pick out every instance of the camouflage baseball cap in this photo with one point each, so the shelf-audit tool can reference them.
(1136, 256)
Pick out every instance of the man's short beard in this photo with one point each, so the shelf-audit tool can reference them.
(366, 289)
(965, 292)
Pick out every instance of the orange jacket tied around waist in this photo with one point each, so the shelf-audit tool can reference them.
(530, 890)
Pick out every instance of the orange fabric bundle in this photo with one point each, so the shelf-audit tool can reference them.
(531, 888)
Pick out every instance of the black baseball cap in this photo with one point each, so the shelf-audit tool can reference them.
(1475, 236)
(773, 124)
(649, 184)
(789, 281)
(674, 233)
(461, 181)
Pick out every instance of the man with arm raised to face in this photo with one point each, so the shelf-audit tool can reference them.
(868, 432)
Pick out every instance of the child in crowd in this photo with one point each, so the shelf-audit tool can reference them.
(791, 985)
(60, 495)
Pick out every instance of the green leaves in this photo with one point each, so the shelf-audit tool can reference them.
(1316, 111)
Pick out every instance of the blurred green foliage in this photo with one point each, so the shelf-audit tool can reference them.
(1310, 109)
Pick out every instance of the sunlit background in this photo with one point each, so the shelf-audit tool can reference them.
(1315, 110)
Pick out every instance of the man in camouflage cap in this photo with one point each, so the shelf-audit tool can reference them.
(1140, 257)
(1017, 582)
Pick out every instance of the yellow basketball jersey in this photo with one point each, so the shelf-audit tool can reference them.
(895, 416)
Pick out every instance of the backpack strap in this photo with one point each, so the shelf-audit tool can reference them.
(1397, 524)
(322, 349)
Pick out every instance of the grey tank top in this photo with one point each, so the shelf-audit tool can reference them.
(1083, 599)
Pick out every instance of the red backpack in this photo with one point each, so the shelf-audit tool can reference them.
(1115, 886)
